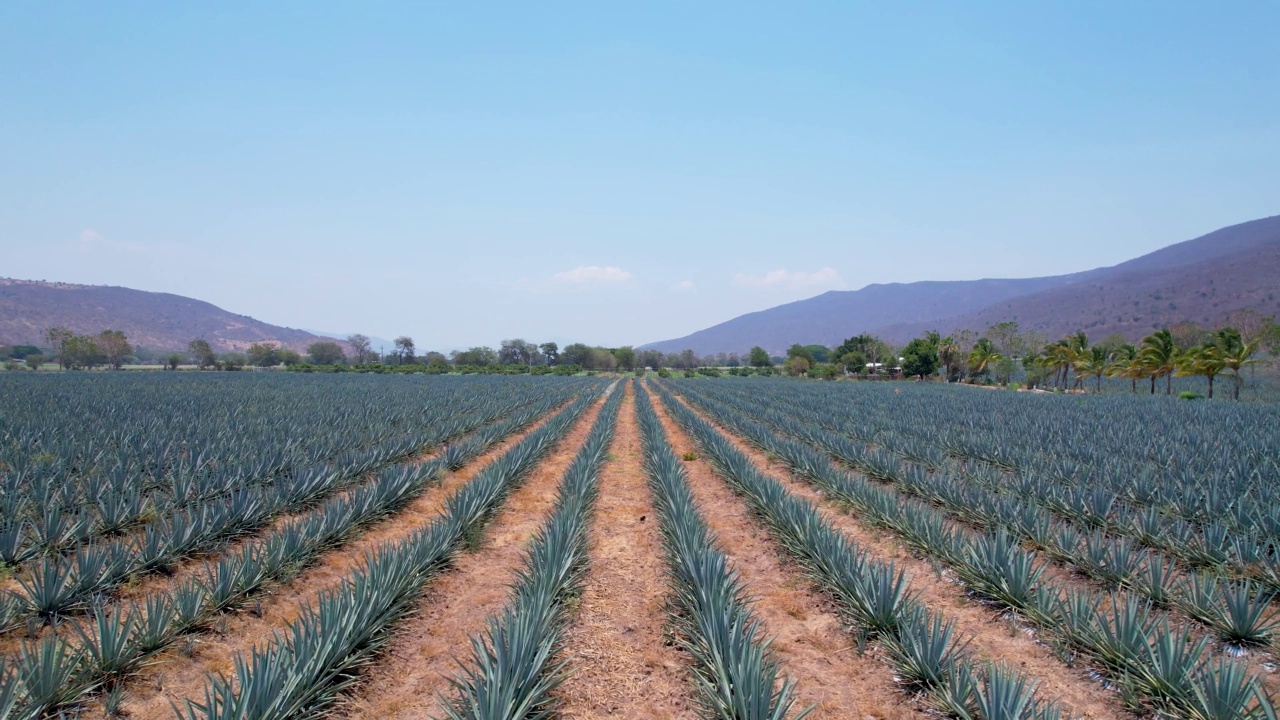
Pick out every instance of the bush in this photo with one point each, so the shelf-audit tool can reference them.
(1188, 395)
(664, 373)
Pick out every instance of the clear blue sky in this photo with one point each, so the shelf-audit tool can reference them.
(615, 172)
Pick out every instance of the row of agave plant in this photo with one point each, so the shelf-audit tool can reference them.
(1238, 612)
(1157, 664)
(1208, 468)
(57, 585)
(91, 485)
(927, 651)
(514, 667)
(40, 520)
(738, 677)
(307, 667)
(63, 670)
(1213, 547)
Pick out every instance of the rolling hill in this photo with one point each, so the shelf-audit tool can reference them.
(1203, 279)
(157, 321)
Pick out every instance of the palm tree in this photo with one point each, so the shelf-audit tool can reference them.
(949, 354)
(1204, 359)
(1078, 348)
(1160, 357)
(1126, 363)
(1060, 356)
(984, 353)
(1092, 362)
(1236, 353)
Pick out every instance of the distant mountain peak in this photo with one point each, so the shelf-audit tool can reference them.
(1156, 289)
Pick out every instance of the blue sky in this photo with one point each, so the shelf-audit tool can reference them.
(615, 173)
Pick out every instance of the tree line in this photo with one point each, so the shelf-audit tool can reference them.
(1003, 352)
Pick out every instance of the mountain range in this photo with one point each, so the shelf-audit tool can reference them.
(1204, 280)
(157, 321)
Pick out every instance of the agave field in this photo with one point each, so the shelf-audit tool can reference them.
(184, 545)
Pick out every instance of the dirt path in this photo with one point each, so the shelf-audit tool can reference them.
(179, 672)
(409, 681)
(621, 663)
(993, 637)
(815, 648)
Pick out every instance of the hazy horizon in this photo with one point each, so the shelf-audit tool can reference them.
(615, 175)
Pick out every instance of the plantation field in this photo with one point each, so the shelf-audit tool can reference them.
(183, 545)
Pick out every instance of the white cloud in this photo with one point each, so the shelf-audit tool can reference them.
(593, 275)
(683, 286)
(91, 240)
(784, 279)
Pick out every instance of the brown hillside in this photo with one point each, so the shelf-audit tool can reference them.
(158, 321)
(1137, 302)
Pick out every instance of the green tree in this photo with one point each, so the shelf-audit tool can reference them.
(115, 347)
(263, 355)
(480, 355)
(982, 357)
(361, 348)
(951, 355)
(289, 358)
(404, 350)
(819, 353)
(326, 353)
(34, 361)
(919, 358)
(800, 351)
(1236, 354)
(58, 338)
(1205, 359)
(173, 361)
(759, 358)
(1126, 362)
(575, 354)
(551, 352)
(1160, 357)
(824, 371)
(796, 365)
(81, 352)
(857, 351)
(202, 353)
(1093, 362)
(626, 357)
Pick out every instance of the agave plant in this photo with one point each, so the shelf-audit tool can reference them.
(1225, 691)
(927, 650)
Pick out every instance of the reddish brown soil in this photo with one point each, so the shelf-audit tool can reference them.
(815, 648)
(180, 672)
(413, 676)
(994, 638)
(621, 663)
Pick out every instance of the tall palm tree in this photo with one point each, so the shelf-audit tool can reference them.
(1126, 363)
(950, 355)
(1204, 359)
(983, 355)
(1160, 356)
(1092, 362)
(1236, 353)
(1058, 356)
